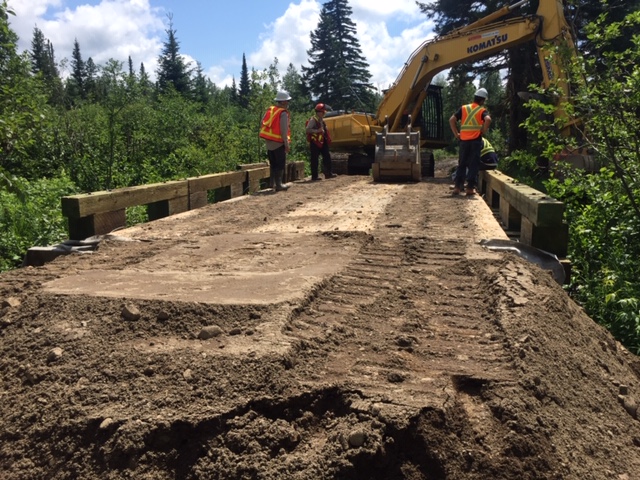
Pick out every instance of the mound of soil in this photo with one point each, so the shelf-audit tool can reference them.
(339, 330)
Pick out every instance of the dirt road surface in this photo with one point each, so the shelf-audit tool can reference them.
(340, 330)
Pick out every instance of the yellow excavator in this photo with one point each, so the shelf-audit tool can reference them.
(410, 116)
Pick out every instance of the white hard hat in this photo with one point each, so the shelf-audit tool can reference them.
(282, 96)
(482, 93)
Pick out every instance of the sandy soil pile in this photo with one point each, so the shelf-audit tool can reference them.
(339, 330)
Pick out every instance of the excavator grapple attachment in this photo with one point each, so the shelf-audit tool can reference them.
(397, 156)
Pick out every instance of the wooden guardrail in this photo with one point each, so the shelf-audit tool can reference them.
(538, 217)
(98, 213)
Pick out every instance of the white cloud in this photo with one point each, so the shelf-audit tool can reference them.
(288, 37)
(219, 76)
(384, 9)
(388, 32)
(112, 29)
(386, 55)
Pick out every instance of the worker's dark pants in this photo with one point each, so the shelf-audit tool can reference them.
(326, 159)
(277, 164)
(468, 163)
(489, 161)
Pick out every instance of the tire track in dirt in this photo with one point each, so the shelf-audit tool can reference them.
(423, 338)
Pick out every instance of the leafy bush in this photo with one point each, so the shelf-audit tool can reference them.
(30, 215)
(604, 249)
(602, 208)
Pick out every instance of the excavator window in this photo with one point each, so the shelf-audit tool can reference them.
(431, 121)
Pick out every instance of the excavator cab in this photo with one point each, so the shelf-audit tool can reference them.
(431, 119)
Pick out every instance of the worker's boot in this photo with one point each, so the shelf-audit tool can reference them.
(272, 177)
(279, 185)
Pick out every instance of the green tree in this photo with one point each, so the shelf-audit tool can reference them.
(172, 71)
(602, 208)
(43, 63)
(145, 82)
(338, 73)
(300, 98)
(24, 112)
(29, 209)
(244, 92)
(201, 87)
(233, 90)
(8, 38)
(91, 79)
(76, 82)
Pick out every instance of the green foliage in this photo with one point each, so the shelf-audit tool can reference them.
(338, 74)
(113, 128)
(24, 112)
(244, 91)
(604, 250)
(30, 215)
(520, 165)
(293, 83)
(173, 72)
(136, 215)
(602, 208)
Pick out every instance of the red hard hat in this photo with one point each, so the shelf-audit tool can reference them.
(321, 108)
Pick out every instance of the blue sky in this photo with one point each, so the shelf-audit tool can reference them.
(216, 34)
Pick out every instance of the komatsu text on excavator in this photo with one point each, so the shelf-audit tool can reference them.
(410, 116)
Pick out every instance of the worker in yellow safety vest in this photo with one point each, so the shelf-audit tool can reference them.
(488, 156)
(474, 123)
(275, 130)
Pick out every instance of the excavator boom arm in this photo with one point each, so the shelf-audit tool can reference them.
(481, 39)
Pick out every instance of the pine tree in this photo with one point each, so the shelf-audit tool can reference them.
(244, 93)
(90, 80)
(76, 83)
(172, 69)
(145, 81)
(43, 63)
(292, 83)
(338, 74)
(234, 90)
(201, 87)
(39, 58)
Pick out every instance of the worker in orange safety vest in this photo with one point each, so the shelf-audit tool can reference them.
(319, 139)
(474, 123)
(275, 130)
